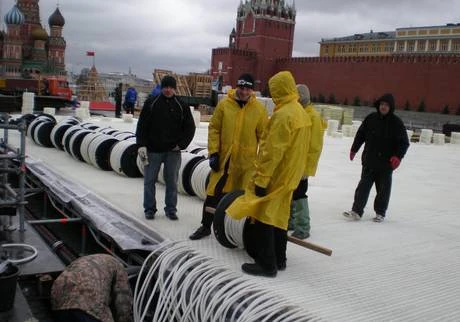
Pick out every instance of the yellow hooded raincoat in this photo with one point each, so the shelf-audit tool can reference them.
(235, 132)
(281, 159)
(316, 140)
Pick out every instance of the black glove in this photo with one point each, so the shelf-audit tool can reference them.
(259, 191)
(214, 162)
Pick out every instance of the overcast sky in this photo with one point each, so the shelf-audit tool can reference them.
(179, 35)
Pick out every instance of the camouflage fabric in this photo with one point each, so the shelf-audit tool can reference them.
(96, 284)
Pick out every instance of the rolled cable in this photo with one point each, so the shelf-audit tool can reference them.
(26, 247)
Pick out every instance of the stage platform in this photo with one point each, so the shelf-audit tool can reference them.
(404, 269)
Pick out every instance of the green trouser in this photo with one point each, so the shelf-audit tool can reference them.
(301, 216)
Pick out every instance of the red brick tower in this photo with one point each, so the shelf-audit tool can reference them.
(264, 32)
(266, 27)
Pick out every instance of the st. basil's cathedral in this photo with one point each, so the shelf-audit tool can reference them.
(26, 49)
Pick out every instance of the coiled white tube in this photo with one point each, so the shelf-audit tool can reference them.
(199, 176)
(234, 231)
(191, 287)
(85, 146)
(26, 247)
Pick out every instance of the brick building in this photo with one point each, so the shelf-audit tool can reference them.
(262, 45)
(26, 49)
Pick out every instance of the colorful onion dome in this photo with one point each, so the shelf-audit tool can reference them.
(14, 16)
(39, 34)
(56, 19)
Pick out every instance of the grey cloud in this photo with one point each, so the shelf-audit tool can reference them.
(179, 35)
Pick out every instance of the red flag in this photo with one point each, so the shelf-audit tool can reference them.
(90, 53)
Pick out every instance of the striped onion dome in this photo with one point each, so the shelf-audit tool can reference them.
(56, 19)
(14, 16)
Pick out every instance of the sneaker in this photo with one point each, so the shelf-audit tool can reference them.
(257, 270)
(300, 235)
(200, 233)
(352, 215)
(378, 218)
(150, 215)
(172, 215)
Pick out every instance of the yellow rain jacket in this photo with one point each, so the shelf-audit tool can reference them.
(281, 159)
(235, 132)
(316, 140)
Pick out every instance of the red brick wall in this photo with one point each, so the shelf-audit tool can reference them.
(434, 79)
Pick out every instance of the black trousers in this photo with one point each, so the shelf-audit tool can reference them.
(117, 108)
(211, 201)
(382, 180)
(269, 245)
(301, 190)
(73, 315)
(208, 217)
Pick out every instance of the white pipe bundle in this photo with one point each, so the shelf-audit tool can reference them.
(409, 134)
(49, 110)
(455, 138)
(426, 135)
(332, 126)
(28, 103)
(347, 130)
(439, 138)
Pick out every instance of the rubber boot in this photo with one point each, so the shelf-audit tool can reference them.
(302, 219)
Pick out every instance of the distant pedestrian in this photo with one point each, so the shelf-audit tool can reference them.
(130, 100)
(165, 127)
(156, 90)
(300, 216)
(385, 143)
(92, 288)
(234, 134)
(118, 99)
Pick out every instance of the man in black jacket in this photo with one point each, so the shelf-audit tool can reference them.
(164, 128)
(385, 144)
(118, 99)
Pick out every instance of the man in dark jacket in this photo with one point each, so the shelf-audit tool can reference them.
(118, 99)
(164, 128)
(385, 144)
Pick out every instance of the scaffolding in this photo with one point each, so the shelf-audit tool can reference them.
(12, 163)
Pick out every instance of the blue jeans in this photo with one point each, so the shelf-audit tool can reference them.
(171, 163)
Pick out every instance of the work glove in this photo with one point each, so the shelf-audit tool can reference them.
(352, 155)
(142, 152)
(395, 162)
(259, 191)
(214, 162)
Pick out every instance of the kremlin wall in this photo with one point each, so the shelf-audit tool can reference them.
(433, 79)
(411, 77)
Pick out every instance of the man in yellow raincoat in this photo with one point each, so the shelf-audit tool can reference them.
(280, 165)
(235, 130)
(300, 216)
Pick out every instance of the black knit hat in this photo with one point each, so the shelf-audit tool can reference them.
(168, 81)
(245, 80)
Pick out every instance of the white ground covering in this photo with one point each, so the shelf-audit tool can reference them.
(405, 269)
